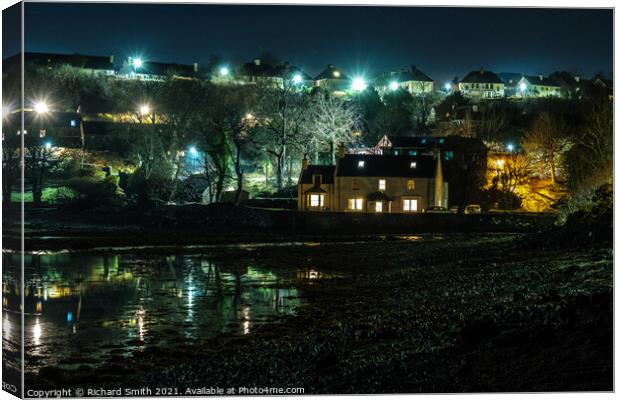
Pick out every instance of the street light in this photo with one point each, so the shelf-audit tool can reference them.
(510, 147)
(224, 71)
(393, 85)
(41, 107)
(48, 145)
(193, 151)
(297, 79)
(447, 86)
(359, 84)
(145, 109)
(137, 63)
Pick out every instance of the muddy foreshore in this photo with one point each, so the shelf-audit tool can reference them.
(473, 314)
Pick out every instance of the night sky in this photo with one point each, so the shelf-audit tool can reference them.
(443, 42)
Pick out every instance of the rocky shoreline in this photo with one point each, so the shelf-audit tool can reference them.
(472, 315)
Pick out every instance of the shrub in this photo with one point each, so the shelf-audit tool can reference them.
(92, 193)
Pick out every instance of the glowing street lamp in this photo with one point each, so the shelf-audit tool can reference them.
(510, 147)
(224, 71)
(447, 86)
(523, 86)
(41, 107)
(393, 86)
(145, 109)
(48, 145)
(297, 79)
(193, 151)
(137, 63)
(359, 84)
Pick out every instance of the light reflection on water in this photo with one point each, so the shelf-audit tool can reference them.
(84, 308)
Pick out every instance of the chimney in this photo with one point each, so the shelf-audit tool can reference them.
(438, 180)
(304, 163)
(195, 67)
(111, 58)
(341, 150)
(257, 61)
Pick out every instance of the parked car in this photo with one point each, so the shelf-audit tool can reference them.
(437, 210)
(473, 209)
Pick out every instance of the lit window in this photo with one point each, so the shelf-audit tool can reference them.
(42, 133)
(379, 207)
(336, 74)
(381, 184)
(423, 141)
(441, 141)
(317, 200)
(413, 152)
(73, 123)
(410, 205)
(410, 184)
(360, 164)
(355, 204)
(413, 164)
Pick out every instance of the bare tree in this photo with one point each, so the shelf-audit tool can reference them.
(283, 111)
(517, 169)
(331, 121)
(547, 141)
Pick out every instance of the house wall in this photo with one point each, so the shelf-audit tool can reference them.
(482, 90)
(396, 188)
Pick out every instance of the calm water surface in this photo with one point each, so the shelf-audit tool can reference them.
(83, 308)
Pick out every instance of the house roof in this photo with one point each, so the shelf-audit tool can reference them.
(510, 78)
(326, 172)
(378, 196)
(331, 72)
(76, 60)
(267, 70)
(405, 75)
(414, 141)
(481, 76)
(386, 166)
(159, 68)
(538, 80)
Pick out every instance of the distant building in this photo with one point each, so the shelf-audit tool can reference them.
(90, 64)
(333, 79)
(511, 82)
(482, 85)
(259, 72)
(538, 86)
(373, 183)
(133, 68)
(412, 80)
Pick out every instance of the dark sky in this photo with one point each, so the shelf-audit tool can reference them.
(443, 42)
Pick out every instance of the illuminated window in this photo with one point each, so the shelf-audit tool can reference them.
(413, 152)
(360, 164)
(73, 123)
(337, 74)
(42, 133)
(410, 184)
(413, 164)
(441, 141)
(317, 200)
(356, 204)
(423, 141)
(379, 206)
(410, 205)
(381, 184)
